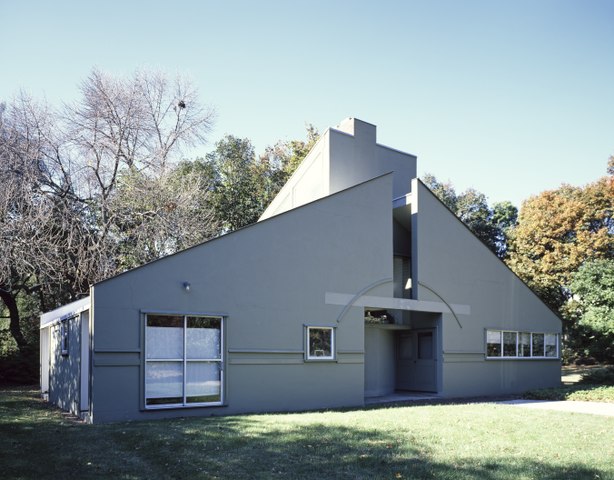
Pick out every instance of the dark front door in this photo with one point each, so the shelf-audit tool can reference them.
(416, 361)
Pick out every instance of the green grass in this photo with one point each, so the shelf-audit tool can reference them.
(485, 441)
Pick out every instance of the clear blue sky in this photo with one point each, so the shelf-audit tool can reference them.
(509, 97)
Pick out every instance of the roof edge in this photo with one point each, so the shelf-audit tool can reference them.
(65, 311)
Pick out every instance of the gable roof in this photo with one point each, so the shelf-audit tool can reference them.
(247, 227)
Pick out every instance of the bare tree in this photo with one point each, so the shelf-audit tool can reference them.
(85, 188)
(37, 228)
(154, 216)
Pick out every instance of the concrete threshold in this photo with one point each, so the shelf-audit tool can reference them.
(399, 397)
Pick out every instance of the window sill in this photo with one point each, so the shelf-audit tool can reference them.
(523, 359)
(183, 407)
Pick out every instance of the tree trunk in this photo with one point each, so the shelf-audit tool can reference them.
(9, 300)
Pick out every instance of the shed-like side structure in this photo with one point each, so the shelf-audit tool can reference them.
(357, 282)
(65, 356)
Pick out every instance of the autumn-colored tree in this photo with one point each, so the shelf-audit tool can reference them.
(559, 230)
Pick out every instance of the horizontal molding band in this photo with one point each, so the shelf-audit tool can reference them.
(183, 314)
(264, 351)
(106, 351)
(116, 362)
(461, 352)
(266, 361)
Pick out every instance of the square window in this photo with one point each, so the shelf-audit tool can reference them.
(164, 383)
(203, 382)
(320, 343)
(183, 361)
(203, 338)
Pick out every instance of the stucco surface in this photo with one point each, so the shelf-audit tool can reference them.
(269, 281)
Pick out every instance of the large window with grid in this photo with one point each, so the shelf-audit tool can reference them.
(183, 360)
(512, 344)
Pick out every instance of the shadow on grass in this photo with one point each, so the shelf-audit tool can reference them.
(240, 447)
(36, 442)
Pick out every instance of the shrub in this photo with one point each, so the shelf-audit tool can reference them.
(599, 376)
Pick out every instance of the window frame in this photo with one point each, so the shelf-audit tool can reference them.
(185, 360)
(518, 355)
(333, 347)
(65, 337)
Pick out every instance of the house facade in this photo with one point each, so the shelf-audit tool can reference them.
(356, 282)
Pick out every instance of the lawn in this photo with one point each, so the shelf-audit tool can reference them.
(484, 441)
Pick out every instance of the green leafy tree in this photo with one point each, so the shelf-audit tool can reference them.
(592, 287)
(505, 218)
(244, 184)
(236, 195)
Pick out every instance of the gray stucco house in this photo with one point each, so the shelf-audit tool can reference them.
(356, 282)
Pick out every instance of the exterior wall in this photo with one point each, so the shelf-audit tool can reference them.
(355, 157)
(342, 158)
(309, 182)
(269, 280)
(65, 370)
(450, 260)
(379, 361)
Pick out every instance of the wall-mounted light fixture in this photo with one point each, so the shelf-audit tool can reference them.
(186, 286)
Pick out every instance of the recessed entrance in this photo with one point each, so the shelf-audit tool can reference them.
(400, 359)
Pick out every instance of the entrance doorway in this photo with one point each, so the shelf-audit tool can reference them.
(416, 362)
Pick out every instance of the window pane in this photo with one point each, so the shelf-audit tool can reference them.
(425, 346)
(538, 344)
(203, 382)
(164, 337)
(163, 382)
(320, 342)
(203, 338)
(524, 344)
(64, 333)
(551, 341)
(509, 344)
(493, 343)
